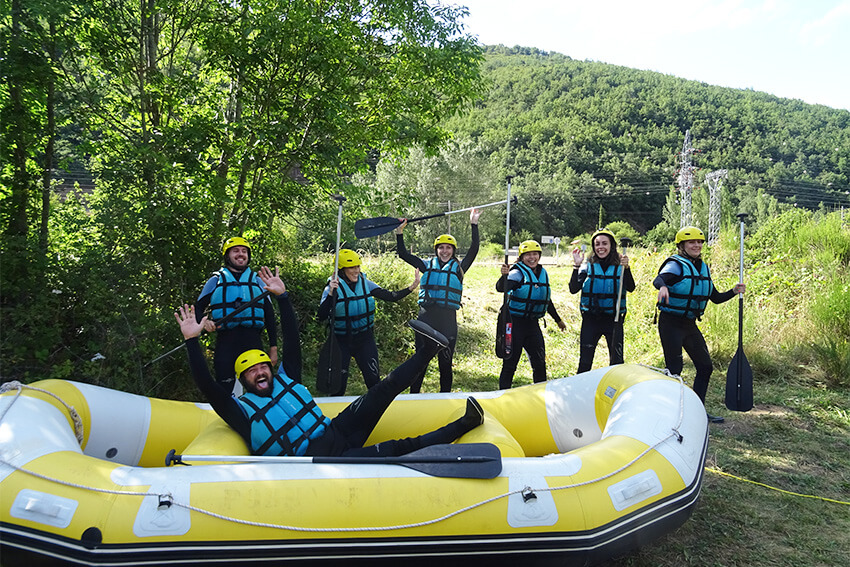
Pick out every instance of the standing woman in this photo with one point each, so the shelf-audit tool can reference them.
(684, 288)
(599, 280)
(440, 294)
(354, 316)
(529, 299)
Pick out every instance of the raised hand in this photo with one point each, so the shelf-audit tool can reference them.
(272, 281)
(185, 316)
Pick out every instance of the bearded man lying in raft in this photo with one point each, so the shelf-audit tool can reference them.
(277, 415)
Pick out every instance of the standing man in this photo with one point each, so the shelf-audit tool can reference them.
(529, 299)
(684, 288)
(232, 286)
(354, 316)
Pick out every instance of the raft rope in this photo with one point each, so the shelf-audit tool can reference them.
(15, 385)
(167, 500)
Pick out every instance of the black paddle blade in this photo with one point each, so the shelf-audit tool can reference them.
(739, 383)
(465, 460)
(329, 369)
(366, 228)
(504, 336)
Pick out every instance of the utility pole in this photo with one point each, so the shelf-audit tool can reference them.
(686, 180)
(715, 181)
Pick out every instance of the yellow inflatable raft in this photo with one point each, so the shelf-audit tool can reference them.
(593, 466)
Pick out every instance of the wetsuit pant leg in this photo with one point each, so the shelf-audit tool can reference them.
(444, 321)
(677, 333)
(344, 342)
(229, 344)
(356, 422)
(591, 332)
(519, 335)
(365, 353)
(694, 344)
(535, 346)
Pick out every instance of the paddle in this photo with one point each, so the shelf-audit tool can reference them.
(625, 242)
(218, 324)
(329, 367)
(465, 460)
(365, 228)
(739, 378)
(504, 323)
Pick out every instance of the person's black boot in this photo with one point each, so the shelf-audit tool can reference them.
(714, 418)
(429, 332)
(474, 415)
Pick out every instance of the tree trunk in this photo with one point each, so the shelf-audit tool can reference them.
(18, 225)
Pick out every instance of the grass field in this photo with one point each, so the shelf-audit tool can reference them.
(796, 439)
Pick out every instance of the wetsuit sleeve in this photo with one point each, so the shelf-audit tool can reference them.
(577, 280)
(550, 309)
(513, 280)
(290, 355)
(670, 274)
(628, 281)
(473, 249)
(405, 254)
(221, 400)
(718, 297)
(386, 295)
(204, 298)
(326, 305)
(270, 321)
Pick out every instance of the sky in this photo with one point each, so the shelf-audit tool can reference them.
(796, 49)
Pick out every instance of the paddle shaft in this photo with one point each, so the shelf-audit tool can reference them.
(218, 324)
(625, 242)
(401, 460)
(739, 378)
(365, 228)
(741, 296)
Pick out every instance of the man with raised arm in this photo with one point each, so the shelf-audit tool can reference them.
(277, 415)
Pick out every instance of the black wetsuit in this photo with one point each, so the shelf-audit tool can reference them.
(230, 343)
(360, 345)
(595, 324)
(349, 430)
(677, 333)
(443, 319)
(525, 334)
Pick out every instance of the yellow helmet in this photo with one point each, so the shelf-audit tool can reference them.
(234, 241)
(248, 359)
(348, 258)
(530, 246)
(445, 239)
(606, 232)
(689, 233)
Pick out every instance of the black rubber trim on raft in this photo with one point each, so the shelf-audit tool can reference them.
(28, 547)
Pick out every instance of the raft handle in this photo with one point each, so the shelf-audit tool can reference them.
(528, 494)
(165, 502)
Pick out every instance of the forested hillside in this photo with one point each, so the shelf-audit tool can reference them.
(583, 134)
(200, 120)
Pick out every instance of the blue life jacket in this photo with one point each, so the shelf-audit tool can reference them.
(599, 290)
(355, 308)
(286, 422)
(689, 296)
(442, 286)
(531, 298)
(230, 293)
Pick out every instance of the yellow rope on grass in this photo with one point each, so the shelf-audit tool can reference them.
(718, 471)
